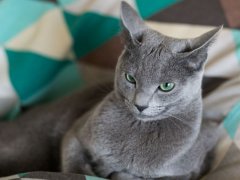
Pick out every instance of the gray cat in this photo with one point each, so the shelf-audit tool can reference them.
(32, 142)
(150, 126)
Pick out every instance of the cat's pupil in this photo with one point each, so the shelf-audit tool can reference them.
(167, 85)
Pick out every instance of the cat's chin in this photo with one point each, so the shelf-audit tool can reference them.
(146, 118)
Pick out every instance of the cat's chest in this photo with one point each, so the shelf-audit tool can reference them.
(121, 140)
(126, 145)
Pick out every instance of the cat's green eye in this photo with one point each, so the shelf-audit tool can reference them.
(130, 79)
(166, 87)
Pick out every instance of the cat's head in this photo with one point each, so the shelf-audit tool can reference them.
(157, 73)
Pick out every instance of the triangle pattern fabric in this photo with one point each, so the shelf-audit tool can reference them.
(29, 72)
(51, 26)
(11, 9)
(147, 9)
(98, 28)
(109, 8)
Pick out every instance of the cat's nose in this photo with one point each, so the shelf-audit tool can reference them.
(140, 108)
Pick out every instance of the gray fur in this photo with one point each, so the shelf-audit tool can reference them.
(166, 140)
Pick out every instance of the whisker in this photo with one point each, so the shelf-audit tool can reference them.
(180, 119)
(176, 124)
(168, 114)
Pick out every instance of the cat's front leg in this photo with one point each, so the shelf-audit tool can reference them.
(76, 159)
(73, 157)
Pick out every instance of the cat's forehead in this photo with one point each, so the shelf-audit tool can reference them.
(153, 63)
(154, 39)
(155, 45)
(154, 56)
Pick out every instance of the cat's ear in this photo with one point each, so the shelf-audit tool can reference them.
(198, 48)
(133, 25)
(205, 40)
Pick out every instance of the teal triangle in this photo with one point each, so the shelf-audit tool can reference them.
(90, 30)
(148, 8)
(16, 15)
(71, 22)
(29, 72)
